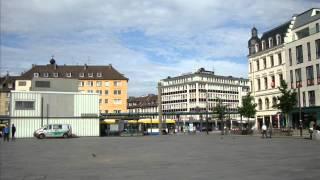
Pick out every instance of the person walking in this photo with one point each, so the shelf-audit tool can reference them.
(13, 130)
(264, 131)
(6, 132)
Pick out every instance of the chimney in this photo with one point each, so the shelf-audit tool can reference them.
(85, 67)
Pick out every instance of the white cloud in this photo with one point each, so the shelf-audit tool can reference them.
(215, 33)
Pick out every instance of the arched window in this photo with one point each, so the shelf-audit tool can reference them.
(263, 44)
(267, 103)
(257, 47)
(270, 42)
(260, 104)
(278, 39)
(274, 101)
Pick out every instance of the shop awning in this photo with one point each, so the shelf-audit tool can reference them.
(155, 121)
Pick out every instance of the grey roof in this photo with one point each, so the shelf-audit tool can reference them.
(305, 18)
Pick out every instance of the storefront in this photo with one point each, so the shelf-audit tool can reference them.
(308, 114)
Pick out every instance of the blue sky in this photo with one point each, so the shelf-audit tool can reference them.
(144, 39)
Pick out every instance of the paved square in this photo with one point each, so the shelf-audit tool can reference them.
(161, 157)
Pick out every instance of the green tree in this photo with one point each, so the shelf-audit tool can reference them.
(287, 100)
(220, 111)
(248, 108)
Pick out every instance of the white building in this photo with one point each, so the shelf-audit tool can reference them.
(289, 52)
(200, 92)
(31, 110)
(302, 67)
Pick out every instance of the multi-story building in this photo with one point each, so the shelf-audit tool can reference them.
(144, 104)
(287, 52)
(104, 80)
(266, 70)
(200, 92)
(7, 84)
(302, 66)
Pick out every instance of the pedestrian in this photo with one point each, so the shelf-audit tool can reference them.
(270, 131)
(6, 133)
(264, 131)
(13, 130)
(311, 129)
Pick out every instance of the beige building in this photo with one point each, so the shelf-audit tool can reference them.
(7, 84)
(104, 80)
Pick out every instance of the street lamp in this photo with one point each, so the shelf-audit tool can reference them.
(207, 109)
(300, 111)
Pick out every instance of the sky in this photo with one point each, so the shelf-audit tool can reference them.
(146, 40)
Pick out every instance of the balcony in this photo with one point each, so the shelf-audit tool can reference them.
(310, 82)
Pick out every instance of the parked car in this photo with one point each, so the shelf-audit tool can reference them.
(54, 131)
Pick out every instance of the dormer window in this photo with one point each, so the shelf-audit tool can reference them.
(81, 74)
(278, 39)
(55, 75)
(90, 74)
(257, 47)
(68, 74)
(263, 44)
(99, 74)
(35, 74)
(270, 42)
(45, 74)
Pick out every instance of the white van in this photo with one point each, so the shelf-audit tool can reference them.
(54, 130)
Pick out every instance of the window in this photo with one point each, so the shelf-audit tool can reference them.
(310, 78)
(117, 92)
(35, 74)
(106, 101)
(90, 74)
(256, 47)
(55, 74)
(99, 83)
(99, 74)
(263, 44)
(273, 83)
(57, 126)
(304, 99)
(290, 57)
(279, 58)
(298, 77)
(264, 63)
(42, 84)
(274, 101)
(100, 101)
(318, 73)
(116, 111)
(106, 92)
(259, 85)
(312, 98)
(291, 78)
(299, 54)
(99, 92)
(317, 27)
(107, 83)
(117, 101)
(81, 74)
(266, 83)
(106, 111)
(22, 83)
(45, 74)
(258, 67)
(117, 83)
(270, 42)
(318, 48)
(250, 68)
(90, 91)
(260, 104)
(68, 74)
(89, 83)
(81, 83)
(278, 39)
(271, 61)
(24, 105)
(267, 103)
(309, 51)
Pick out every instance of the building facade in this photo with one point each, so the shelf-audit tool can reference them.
(111, 85)
(144, 104)
(200, 92)
(302, 67)
(287, 52)
(7, 84)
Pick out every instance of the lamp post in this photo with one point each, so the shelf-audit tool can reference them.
(207, 109)
(300, 112)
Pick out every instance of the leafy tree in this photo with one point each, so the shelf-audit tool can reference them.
(220, 111)
(248, 108)
(287, 100)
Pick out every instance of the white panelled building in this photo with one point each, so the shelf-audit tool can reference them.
(200, 92)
